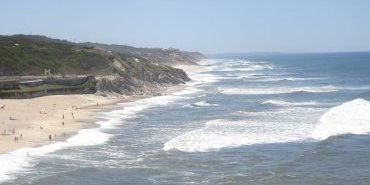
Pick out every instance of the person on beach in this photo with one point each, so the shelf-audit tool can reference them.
(63, 123)
(49, 137)
(20, 136)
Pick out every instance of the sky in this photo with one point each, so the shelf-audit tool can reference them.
(208, 26)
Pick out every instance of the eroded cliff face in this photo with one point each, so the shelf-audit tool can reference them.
(124, 70)
(137, 76)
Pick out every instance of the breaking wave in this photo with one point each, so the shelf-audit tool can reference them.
(221, 133)
(200, 104)
(349, 118)
(254, 67)
(276, 79)
(204, 104)
(17, 161)
(285, 103)
(278, 90)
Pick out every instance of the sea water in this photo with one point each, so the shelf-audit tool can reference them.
(246, 119)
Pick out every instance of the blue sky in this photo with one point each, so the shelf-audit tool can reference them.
(209, 26)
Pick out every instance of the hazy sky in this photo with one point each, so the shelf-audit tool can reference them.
(209, 26)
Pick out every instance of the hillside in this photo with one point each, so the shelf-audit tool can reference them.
(169, 56)
(115, 71)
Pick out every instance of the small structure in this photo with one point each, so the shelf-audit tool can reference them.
(48, 85)
(173, 56)
(47, 73)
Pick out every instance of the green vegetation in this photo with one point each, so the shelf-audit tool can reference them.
(119, 71)
(30, 55)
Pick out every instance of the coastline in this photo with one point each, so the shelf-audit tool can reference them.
(38, 118)
(33, 121)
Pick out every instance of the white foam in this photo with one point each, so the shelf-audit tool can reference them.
(218, 134)
(204, 78)
(250, 67)
(209, 62)
(349, 118)
(17, 160)
(225, 62)
(285, 103)
(235, 65)
(277, 90)
(187, 91)
(204, 104)
(188, 106)
(301, 79)
(276, 79)
(199, 104)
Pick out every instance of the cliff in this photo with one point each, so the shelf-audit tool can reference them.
(131, 72)
(171, 56)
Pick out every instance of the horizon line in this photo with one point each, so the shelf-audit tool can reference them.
(205, 53)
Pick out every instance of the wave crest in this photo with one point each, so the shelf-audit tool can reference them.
(217, 134)
(349, 118)
(284, 103)
(281, 90)
(204, 104)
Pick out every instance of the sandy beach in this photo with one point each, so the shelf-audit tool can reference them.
(30, 122)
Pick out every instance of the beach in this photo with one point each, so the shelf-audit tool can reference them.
(58, 116)
(30, 122)
(280, 118)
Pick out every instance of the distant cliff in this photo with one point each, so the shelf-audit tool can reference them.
(169, 56)
(128, 71)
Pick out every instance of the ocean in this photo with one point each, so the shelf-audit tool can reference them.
(274, 119)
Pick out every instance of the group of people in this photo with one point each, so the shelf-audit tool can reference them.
(5, 133)
(73, 117)
(16, 138)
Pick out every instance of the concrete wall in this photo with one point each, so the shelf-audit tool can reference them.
(31, 89)
(34, 94)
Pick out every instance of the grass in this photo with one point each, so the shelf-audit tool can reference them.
(27, 55)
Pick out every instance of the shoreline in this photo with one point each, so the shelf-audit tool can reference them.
(34, 121)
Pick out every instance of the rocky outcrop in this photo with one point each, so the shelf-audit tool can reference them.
(137, 76)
